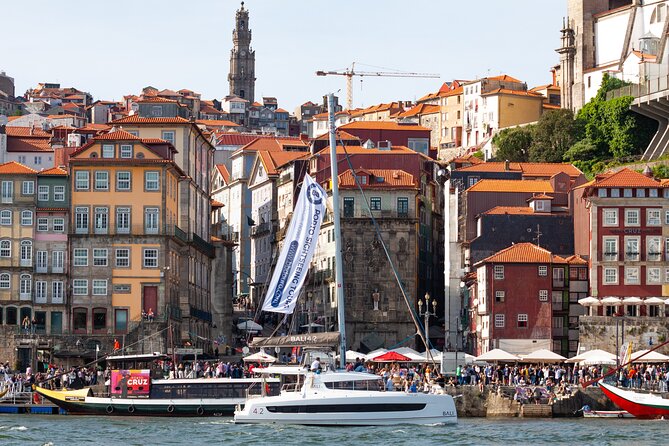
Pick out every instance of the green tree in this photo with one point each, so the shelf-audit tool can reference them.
(513, 144)
(553, 135)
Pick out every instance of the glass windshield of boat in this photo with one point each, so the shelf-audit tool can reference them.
(370, 384)
(212, 390)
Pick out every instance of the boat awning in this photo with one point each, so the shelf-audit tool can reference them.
(330, 339)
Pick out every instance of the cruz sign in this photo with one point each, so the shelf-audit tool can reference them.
(130, 383)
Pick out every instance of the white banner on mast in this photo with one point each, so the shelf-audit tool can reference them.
(298, 248)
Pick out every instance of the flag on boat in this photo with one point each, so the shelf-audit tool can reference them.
(298, 248)
(625, 354)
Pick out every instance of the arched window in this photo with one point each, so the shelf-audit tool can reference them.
(5, 248)
(26, 286)
(5, 281)
(26, 253)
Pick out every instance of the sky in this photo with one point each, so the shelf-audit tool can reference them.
(115, 48)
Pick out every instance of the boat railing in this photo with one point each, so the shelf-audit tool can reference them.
(292, 387)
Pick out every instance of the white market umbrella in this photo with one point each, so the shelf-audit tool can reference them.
(594, 357)
(543, 355)
(632, 300)
(249, 326)
(666, 301)
(374, 353)
(611, 300)
(649, 357)
(259, 357)
(589, 301)
(654, 301)
(410, 353)
(352, 355)
(497, 355)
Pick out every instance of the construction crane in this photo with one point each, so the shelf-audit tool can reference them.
(349, 73)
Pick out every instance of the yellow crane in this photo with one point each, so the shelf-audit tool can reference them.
(349, 73)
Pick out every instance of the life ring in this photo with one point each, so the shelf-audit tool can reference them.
(131, 408)
(170, 408)
(109, 409)
(200, 410)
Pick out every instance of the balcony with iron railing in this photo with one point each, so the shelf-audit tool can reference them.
(168, 230)
(260, 229)
(378, 214)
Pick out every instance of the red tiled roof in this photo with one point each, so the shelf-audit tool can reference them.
(272, 160)
(504, 77)
(14, 168)
(391, 178)
(551, 107)
(28, 145)
(216, 204)
(54, 171)
(154, 99)
(512, 92)
(27, 132)
(523, 186)
(217, 122)
(224, 172)
(357, 150)
(120, 135)
(510, 210)
(420, 109)
(136, 119)
(625, 178)
(341, 135)
(540, 197)
(523, 253)
(383, 125)
(274, 144)
(280, 110)
(527, 169)
(155, 141)
(238, 139)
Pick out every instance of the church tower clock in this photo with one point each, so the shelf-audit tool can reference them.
(242, 58)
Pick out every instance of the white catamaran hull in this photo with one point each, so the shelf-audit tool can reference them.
(341, 407)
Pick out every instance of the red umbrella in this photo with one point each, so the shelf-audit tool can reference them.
(392, 356)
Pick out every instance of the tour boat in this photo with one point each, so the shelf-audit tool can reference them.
(640, 405)
(331, 397)
(346, 398)
(138, 392)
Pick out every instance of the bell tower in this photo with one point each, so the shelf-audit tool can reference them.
(242, 58)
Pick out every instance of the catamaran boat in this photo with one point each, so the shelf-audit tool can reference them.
(640, 405)
(344, 398)
(141, 392)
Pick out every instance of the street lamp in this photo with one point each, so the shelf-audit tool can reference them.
(427, 313)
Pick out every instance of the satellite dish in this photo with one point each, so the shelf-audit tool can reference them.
(3, 120)
(245, 350)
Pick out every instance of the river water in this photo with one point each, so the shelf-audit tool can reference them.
(71, 431)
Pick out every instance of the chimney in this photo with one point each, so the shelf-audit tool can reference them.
(648, 171)
(506, 165)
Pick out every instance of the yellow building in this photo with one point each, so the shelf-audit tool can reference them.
(125, 234)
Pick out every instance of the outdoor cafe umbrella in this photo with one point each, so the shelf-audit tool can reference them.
(373, 354)
(589, 302)
(611, 300)
(649, 357)
(543, 355)
(654, 301)
(249, 326)
(594, 357)
(497, 355)
(392, 356)
(632, 300)
(259, 357)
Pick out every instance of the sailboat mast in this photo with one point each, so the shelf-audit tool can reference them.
(339, 270)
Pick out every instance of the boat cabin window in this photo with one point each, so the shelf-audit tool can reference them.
(372, 384)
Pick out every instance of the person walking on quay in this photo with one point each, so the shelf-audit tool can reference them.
(117, 346)
(26, 324)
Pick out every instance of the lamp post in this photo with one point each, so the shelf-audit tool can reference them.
(427, 313)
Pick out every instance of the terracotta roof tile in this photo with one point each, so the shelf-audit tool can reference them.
(379, 178)
(504, 77)
(551, 107)
(120, 135)
(280, 110)
(273, 160)
(27, 132)
(522, 186)
(275, 144)
(14, 168)
(216, 204)
(54, 171)
(241, 139)
(512, 92)
(136, 119)
(382, 125)
(224, 172)
(625, 178)
(576, 260)
(341, 135)
(523, 253)
(510, 210)
(217, 122)
(527, 169)
(420, 109)
(28, 145)
(154, 99)
(357, 150)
